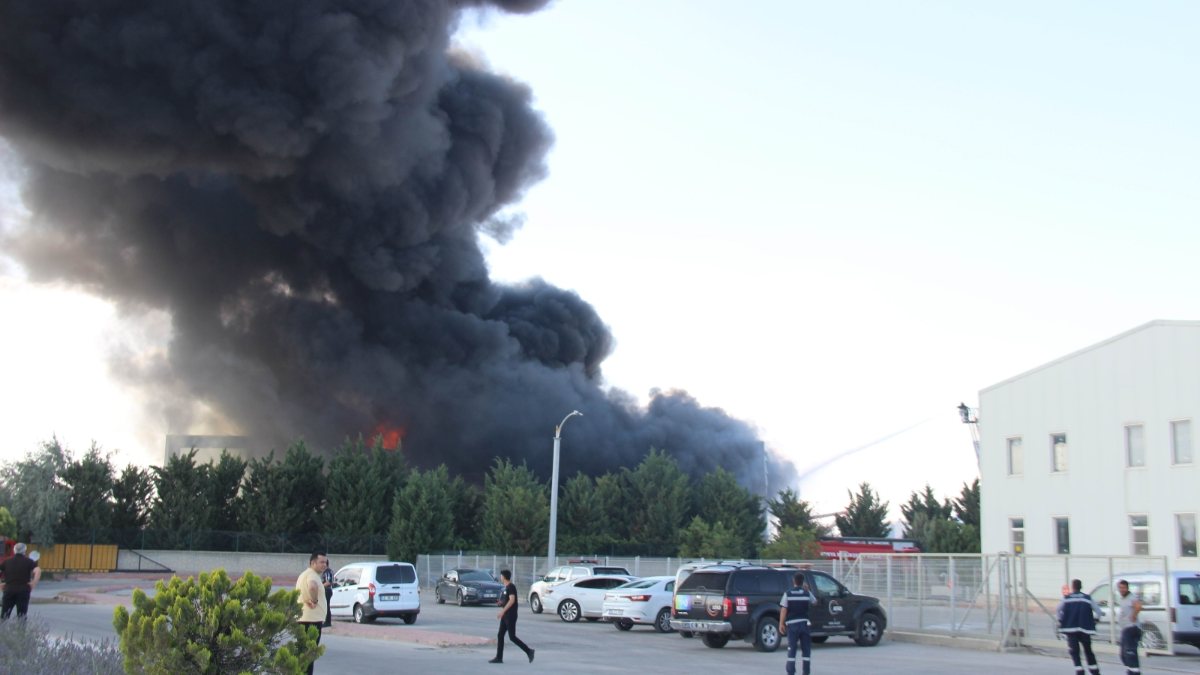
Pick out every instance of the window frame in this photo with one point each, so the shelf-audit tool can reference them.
(1061, 524)
(1134, 529)
(1055, 466)
(1172, 425)
(1013, 530)
(1020, 463)
(1129, 446)
(1180, 541)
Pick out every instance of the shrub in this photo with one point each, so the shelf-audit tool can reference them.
(213, 625)
(26, 647)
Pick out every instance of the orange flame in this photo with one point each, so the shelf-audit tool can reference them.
(388, 436)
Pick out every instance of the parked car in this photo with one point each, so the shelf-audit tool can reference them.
(724, 602)
(575, 569)
(468, 586)
(644, 601)
(1182, 618)
(365, 591)
(582, 598)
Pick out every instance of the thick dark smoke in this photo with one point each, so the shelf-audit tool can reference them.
(301, 185)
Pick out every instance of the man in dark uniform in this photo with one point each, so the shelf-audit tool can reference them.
(1077, 614)
(508, 619)
(793, 619)
(19, 575)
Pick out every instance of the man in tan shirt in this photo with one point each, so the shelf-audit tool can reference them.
(313, 605)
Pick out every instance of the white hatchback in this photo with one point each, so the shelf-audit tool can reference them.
(365, 591)
(583, 598)
(646, 601)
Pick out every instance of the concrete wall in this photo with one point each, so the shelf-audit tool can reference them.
(1148, 376)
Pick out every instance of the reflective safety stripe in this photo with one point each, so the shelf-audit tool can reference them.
(792, 621)
(792, 658)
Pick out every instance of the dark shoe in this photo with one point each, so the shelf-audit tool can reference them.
(497, 660)
(531, 651)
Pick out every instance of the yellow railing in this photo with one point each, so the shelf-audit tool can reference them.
(77, 557)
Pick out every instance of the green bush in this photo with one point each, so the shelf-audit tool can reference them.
(213, 625)
(26, 647)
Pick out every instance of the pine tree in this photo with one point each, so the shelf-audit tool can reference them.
(224, 480)
(923, 508)
(180, 506)
(132, 493)
(35, 492)
(658, 502)
(516, 510)
(718, 498)
(211, 625)
(421, 516)
(865, 516)
(791, 512)
(90, 480)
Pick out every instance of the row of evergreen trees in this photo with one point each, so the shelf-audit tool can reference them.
(364, 491)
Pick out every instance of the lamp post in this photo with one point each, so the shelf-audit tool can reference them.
(554, 487)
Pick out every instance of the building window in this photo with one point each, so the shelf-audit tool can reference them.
(1062, 535)
(1016, 457)
(1016, 528)
(1135, 445)
(1181, 442)
(1185, 524)
(1139, 535)
(1058, 452)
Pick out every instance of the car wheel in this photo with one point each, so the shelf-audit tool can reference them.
(535, 604)
(662, 622)
(359, 615)
(819, 639)
(462, 599)
(410, 619)
(1152, 638)
(568, 610)
(870, 630)
(623, 624)
(686, 634)
(437, 594)
(715, 640)
(766, 634)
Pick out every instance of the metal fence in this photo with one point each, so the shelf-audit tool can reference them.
(1008, 600)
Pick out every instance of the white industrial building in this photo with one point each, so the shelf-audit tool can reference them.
(1094, 453)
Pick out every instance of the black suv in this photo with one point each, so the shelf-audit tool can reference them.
(742, 602)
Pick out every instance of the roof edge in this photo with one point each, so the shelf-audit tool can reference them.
(1120, 336)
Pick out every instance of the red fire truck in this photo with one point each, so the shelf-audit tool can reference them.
(851, 547)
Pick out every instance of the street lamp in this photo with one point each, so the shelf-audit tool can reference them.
(554, 486)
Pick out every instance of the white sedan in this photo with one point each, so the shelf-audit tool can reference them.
(645, 601)
(582, 598)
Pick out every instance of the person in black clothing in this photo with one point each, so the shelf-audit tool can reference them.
(508, 619)
(1077, 614)
(793, 620)
(19, 575)
(327, 582)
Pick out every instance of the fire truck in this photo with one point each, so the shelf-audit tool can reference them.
(851, 547)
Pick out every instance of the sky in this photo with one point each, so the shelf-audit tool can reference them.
(833, 220)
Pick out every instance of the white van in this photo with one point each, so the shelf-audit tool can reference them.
(1178, 612)
(365, 591)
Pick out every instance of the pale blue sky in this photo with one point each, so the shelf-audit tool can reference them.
(835, 220)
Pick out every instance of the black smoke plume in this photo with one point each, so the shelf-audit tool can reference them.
(301, 185)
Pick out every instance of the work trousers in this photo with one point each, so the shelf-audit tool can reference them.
(1084, 640)
(317, 625)
(1130, 637)
(509, 626)
(799, 633)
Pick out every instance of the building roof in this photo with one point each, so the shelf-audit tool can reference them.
(1157, 323)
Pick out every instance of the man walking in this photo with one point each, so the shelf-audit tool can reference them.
(508, 619)
(327, 582)
(793, 620)
(1077, 614)
(19, 575)
(313, 606)
(1128, 608)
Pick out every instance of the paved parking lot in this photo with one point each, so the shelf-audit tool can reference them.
(451, 639)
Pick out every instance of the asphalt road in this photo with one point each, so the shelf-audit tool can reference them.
(599, 648)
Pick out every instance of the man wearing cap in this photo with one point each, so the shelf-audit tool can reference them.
(19, 576)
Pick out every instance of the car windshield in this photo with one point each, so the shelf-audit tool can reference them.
(610, 570)
(475, 575)
(640, 583)
(395, 574)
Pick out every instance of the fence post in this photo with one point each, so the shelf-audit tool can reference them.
(953, 592)
(890, 612)
(920, 590)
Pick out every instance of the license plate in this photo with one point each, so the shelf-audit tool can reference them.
(690, 625)
(389, 597)
(489, 595)
(612, 612)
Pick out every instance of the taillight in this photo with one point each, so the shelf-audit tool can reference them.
(727, 604)
(639, 598)
(371, 591)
